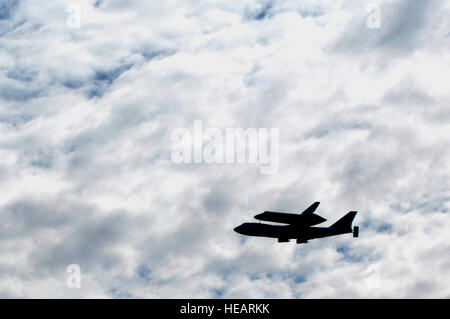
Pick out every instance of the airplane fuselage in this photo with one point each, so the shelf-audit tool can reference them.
(287, 232)
(297, 226)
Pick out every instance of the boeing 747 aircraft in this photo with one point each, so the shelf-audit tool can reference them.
(298, 226)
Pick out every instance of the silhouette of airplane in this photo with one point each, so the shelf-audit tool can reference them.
(299, 226)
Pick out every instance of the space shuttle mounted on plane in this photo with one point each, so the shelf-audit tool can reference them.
(297, 226)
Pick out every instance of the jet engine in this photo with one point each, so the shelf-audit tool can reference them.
(355, 231)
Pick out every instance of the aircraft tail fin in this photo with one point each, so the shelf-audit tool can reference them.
(346, 221)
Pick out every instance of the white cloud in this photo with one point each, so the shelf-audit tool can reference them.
(85, 122)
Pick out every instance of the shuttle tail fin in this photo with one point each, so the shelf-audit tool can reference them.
(311, 209)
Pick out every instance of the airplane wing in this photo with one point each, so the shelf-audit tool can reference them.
(311, 209)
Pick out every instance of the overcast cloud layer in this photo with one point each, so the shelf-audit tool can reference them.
(86, 116)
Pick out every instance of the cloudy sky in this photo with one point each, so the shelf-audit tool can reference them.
(88, 106)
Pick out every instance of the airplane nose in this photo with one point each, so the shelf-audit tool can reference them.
(237, 229)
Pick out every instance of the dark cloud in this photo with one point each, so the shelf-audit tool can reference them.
(8, 8)
(102, 79)
(86, 236)
(17, 93)
(264, 11)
